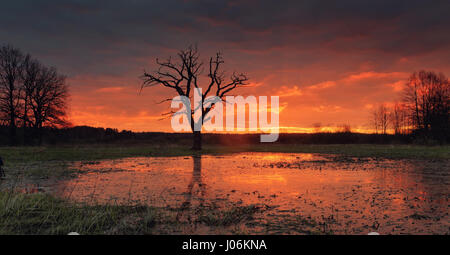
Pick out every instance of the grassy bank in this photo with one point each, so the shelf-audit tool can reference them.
(41, 213)
(12, 155)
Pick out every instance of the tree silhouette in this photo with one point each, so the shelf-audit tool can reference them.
(399, 119)
(11, 63)
(31, 94)
(427, 96)
(48, 101)
(380, 119)
(383, 114)
(183, 76)
(29, 77)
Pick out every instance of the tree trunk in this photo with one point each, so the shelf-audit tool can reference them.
(197, 145)
(40, 135)
(12, 131)
(26, 136)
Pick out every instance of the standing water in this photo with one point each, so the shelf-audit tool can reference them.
(341, 194)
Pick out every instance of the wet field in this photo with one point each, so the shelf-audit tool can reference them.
(286, 193)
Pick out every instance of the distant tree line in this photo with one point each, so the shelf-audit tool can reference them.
(32, 96)
(80, 135)
(423, 110)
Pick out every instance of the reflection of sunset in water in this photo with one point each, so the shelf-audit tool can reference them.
(351, 195)
(266, 179)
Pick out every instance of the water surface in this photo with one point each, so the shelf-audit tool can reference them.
(338, 194)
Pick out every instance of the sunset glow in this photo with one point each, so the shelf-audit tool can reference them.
(225, 126)
(328, 71)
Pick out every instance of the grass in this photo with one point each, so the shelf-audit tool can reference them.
(13, 155)
(42, 214)
(86, 153)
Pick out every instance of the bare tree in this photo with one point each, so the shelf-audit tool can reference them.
(399, 119)
(383, 114)
(380, 119)
(427, 98)
(11, 63)
(31, 69)
(375, 120)
(48, 96)
(344, 128)
(31, 94)
(183, 75)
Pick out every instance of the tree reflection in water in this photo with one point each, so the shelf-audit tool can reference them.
(196, 188)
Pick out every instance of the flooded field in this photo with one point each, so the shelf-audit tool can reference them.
(287, 193)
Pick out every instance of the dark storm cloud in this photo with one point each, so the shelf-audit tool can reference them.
(113, 37)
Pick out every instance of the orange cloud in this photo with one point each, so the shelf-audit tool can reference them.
(285, 91)
(110, 89)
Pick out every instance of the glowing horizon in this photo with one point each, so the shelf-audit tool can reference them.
(330, 63)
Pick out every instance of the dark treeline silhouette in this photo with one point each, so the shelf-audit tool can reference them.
(90, 135)
(427, 97)
(32, 96)
(422, 112)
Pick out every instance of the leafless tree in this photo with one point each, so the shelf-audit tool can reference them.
(399, 119)
(380, 119)
(427, 96)
(31, 94)
(11, 63)
(183, 76)
(30, 73)
(375, 120)
(344, 128)
(47, 100)
(383, 114)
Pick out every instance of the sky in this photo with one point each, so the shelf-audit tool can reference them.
(330, 62)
